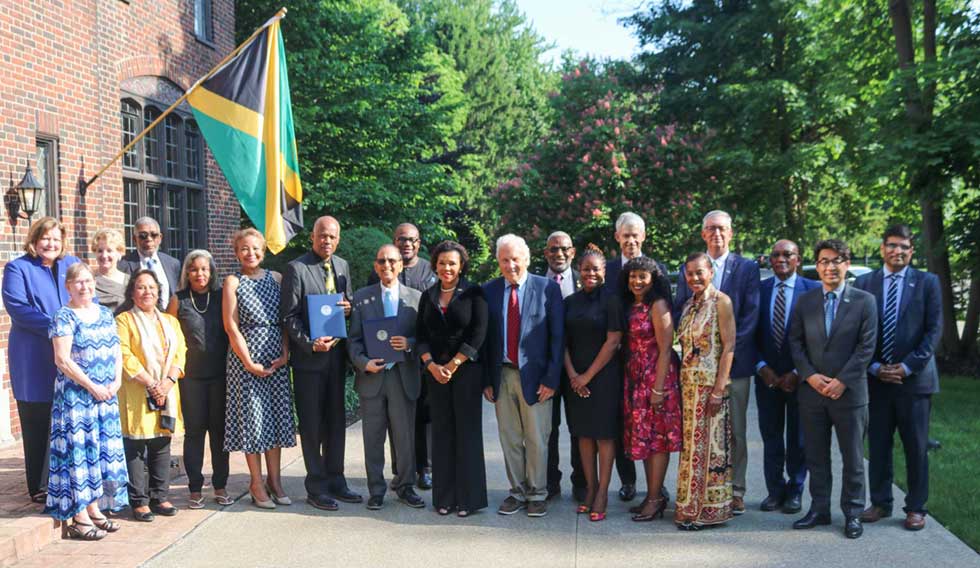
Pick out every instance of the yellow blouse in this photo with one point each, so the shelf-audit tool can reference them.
(137, 420)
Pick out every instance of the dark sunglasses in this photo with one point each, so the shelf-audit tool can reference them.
(782, 255)
(391, 261)
(557, 249)
(144, 236)
(406, 240)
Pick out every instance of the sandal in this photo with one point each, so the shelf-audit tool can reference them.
(106, 524)
(462, 513)
(75, 531)
(583, 510)
(193, 503)
(224, 500)
(444, 510)
(41, 497)
(661, 504)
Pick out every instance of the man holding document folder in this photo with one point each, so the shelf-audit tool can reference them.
(319, 365)
(381, 347)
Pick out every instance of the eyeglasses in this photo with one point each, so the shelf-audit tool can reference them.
(557, 249)
(719, 228)
(900, 246)
(147, 236)
(836, 261)
(782, 254)
(392, 261)
(407, 240)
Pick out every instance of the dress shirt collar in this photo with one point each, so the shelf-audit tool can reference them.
(838, 290)
(520, 283)
(394, 289)
(624, 260)
(564, 275)
(720, 261)
(901, 273)
(789, 282)
(144, 259)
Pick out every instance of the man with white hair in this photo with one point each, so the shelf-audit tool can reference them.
(147, 236)
(738, 278)
(524, 348)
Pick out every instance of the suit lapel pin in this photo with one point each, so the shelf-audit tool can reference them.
(911, 284)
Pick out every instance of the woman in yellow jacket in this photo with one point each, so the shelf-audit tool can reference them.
(153, 354)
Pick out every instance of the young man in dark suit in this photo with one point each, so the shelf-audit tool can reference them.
(147, 236)
(738, 278)
(319, 366)
(776, 380)
(903, 375)
(832, 337)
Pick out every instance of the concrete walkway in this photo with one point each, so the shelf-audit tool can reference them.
(399, 536)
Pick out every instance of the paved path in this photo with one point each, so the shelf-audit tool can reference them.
(399, 536)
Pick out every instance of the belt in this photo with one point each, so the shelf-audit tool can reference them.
(511, 366)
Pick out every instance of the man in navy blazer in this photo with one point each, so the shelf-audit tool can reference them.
(738, 278)
(524, 351)
(776, 381)
(147, 236)
(902, 375)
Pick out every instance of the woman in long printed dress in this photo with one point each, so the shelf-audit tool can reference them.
(651, 402)
(259, 406)
(87, 465)
(707, 336)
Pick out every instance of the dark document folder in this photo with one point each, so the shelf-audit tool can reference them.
(326, 317)
(377, 339)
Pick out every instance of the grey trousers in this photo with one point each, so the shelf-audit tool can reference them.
(739, 389)
(389, 408)
(524, 431)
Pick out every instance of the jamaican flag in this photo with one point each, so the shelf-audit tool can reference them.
(243, 110)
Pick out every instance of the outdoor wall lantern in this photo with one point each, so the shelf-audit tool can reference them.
(30, 191)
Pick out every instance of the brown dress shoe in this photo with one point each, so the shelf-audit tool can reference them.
(874, 513)
(915, 521)
(738, 506)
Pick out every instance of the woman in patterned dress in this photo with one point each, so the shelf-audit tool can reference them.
(259, 406)
(87, 465)
(707, 336)
(651, 402)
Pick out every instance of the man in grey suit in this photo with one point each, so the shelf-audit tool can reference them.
(388, 390)
(832, 338)
(319, 366)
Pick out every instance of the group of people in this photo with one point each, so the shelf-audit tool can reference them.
(109, 363)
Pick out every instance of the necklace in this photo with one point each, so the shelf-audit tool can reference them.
(453, 289)
(206, 303)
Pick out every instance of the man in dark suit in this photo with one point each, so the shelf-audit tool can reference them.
(147, 236)
(560, 254)
(630, 234)
(524, 352)
(903, 375)
(738, 278)
(776, 380)
(388, 390)
(832, 337)
(319, 366)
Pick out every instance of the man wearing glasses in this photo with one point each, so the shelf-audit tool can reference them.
(147, 236)
(832, 336)
(903, 375)
(776, 381)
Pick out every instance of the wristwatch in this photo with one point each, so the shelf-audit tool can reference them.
(457, 362)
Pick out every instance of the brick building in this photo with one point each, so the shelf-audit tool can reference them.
(77, 77)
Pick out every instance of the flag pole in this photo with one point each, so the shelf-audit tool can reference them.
(279, 15)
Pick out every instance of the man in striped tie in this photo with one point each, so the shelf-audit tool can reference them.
(903, 375)
(776, 381)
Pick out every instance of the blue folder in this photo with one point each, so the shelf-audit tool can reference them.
(377, 339)
(326, 317)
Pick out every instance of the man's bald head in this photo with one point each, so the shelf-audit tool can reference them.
(326, 236)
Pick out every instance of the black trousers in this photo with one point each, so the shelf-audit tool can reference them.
(892, 409)
(459, 476)
(322, 423)
(148, 462)
(35, 432)
(203, 404)
(554, 472)
(818, 420)
(782, 441)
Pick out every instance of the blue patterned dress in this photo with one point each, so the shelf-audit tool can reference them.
(259, 410)
(87, 458)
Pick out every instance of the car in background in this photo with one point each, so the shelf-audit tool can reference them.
(810, 271)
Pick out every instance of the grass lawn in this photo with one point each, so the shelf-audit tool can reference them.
(954, 470)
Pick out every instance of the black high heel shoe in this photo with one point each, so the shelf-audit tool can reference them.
(658, 512)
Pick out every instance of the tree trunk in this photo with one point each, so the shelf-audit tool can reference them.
(937, 259)
(968, 342)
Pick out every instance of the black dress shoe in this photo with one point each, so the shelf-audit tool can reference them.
(853, 527)
(425, 479)
(771, 503)
(811, 520)
(578, 493)
(409, 497)
(144, 517)
(553, 492)
(375, 502)
(933, 445)
(163, 511)
(347, 496)
(793, 504)
(627, 492)
(322, 502)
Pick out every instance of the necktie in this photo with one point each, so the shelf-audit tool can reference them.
(779, 316)
(719, 275)
(891, 319)
(829, 306)
(391, 305)
(558, 279)
(513, 325)
(329, 282)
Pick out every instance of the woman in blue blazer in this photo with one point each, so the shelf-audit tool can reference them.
(33, 290)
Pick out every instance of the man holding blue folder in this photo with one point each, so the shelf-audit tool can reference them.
(381, 345)
(319, 365)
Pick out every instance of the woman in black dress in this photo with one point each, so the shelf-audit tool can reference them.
(452, 324)
(593, 332)
(197, 305)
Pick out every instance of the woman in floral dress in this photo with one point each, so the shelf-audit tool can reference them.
(651, 402)
(707, 336)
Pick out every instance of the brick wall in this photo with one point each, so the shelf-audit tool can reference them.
(61, 66)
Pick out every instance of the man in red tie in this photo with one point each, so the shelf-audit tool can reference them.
(524, 349)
